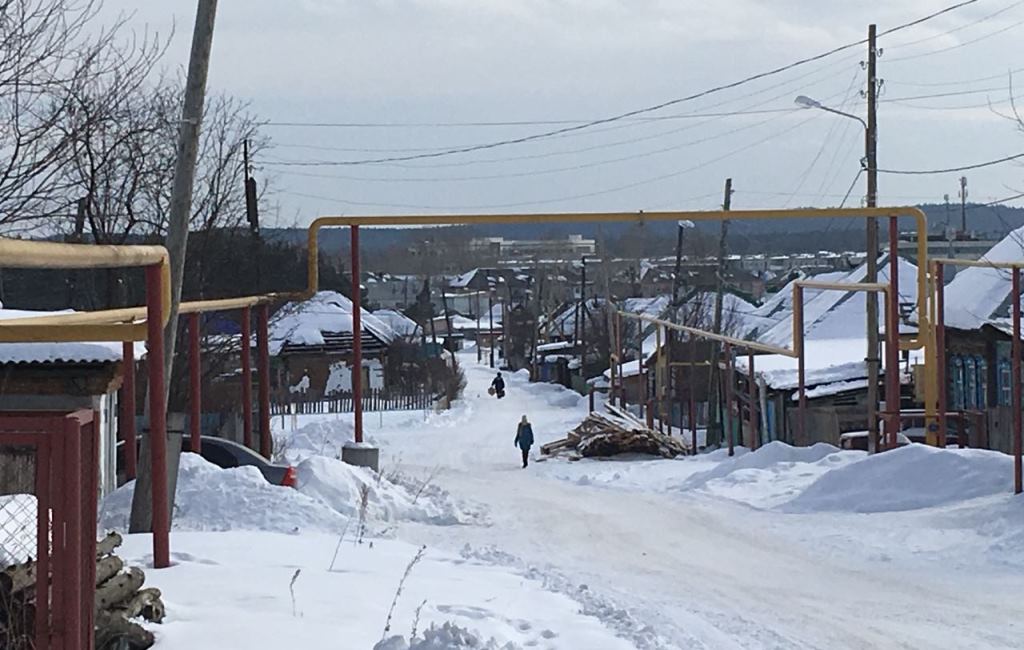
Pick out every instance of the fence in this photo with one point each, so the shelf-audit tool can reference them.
(373, 400)
(48, 490)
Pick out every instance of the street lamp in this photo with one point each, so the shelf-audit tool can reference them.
(871, 166)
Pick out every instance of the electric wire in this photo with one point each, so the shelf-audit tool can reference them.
(659, 106)
(947, 170)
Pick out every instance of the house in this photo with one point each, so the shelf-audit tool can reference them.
(403, 327)
(64, 377)
(507, 284)
(389, 291)
(311, 343)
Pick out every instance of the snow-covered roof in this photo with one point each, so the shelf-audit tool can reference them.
(835, 388)
(558, 345)
(830, 314)
(978, 293)
(462, 281)
(399, 323)
(629, 369)
(305, 323)
(76, 352)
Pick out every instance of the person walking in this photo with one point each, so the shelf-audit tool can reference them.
(498, 386)
(524, 439)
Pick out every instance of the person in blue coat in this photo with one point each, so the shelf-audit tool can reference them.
(524, 439)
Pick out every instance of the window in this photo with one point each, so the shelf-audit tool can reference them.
(1004, 381)
(982, 381)
(957, 380)
(970, 383)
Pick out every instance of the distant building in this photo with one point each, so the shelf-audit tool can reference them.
(573, 246)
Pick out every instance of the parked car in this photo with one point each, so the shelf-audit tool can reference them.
(858, 440)
(227, 454)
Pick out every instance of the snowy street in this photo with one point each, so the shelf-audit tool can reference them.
(691, 571)
(780, 548)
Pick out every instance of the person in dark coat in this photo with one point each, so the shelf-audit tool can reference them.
(524, 439)
(499, 386)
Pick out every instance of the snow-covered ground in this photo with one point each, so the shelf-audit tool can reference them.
(775, 548)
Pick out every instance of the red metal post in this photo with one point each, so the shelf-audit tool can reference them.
(263, 368)
(1015, 384)
(728, 397)
(157, 417)
(798, 334)
(693, 393)
(752, 408)
(127, 412)
(892, 337)
(357, 339)
(246, 353)
(940, 355)
(72, 482)
(195, 377)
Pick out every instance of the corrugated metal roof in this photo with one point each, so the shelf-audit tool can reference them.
(54, 353)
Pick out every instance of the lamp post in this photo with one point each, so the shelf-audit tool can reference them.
(871, 167)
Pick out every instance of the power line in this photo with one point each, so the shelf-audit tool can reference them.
(961, 27)
(959, 82)
(911, 57)
(747, 110)
(655, 107)
(964, 168)
(610, 190)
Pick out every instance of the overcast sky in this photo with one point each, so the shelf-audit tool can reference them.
(416, 66)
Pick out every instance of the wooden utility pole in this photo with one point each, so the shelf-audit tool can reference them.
(871, 162)
(177, 238)
(676, 280)
(963, 204)
(713, 411)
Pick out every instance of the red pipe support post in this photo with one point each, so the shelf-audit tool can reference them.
(157, 417)
(263, 368)
(73, 534)
(940, 354)
(752, 407)
(357, 339)
(245, 352)
(1016, 384)
(892, 337)
(728, 398)
(195, 377)
(127, 411)
(693, 393)
(801, 371)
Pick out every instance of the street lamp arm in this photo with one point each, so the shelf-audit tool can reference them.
(844, 114)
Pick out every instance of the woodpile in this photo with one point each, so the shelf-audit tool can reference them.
(120, 600)
(615, 432)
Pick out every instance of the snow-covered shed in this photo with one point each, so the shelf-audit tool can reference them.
(65, 377)
(312, 344)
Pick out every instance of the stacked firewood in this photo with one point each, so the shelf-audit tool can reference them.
(120, 600)
(615, 432)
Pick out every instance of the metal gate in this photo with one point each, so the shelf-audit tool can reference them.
(48, 492)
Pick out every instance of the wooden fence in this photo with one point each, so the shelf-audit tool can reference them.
(373, 400)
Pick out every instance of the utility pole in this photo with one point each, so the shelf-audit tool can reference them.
(582, 341)
(676, 282)
(713, 411)
(871, 163)
(963, 205)
(177, 237)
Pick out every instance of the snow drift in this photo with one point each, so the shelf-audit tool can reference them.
(765, 458)
(908, 478)
(209, 498)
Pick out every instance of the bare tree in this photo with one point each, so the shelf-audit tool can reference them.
(51, 55)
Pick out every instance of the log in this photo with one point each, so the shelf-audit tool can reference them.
(116, 633)
(17, 577)
(107, 545)
(146, 603)
(119, 588)
(107, 568)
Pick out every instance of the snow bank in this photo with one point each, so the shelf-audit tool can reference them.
(209, 498)
(908, 478)
(340, 486)
(317, 438)
(446, 637)
(767, 457)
